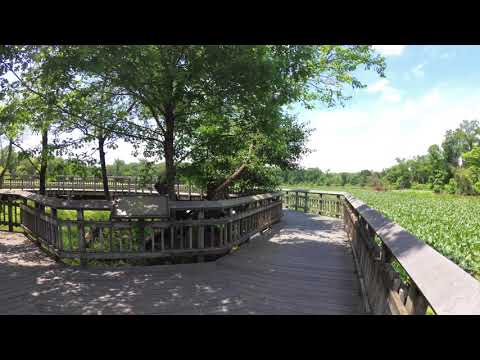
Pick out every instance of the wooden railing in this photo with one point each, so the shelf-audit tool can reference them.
(317, 202)
(194, 228)
(9, 212)
(398, 273)
(116, 184)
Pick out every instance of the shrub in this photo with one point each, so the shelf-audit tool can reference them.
(463, 178)
(376, 183)
(437, 189)
(451, 187)
(477, 187)
(403, 183)
(417, 186)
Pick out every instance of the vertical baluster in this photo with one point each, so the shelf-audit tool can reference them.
(201, 216)
(131, 238)
(212, 235)
(110, 237)
(60, 237)
(141, 237)
(162, 240)
(120, 239)
(102, 241)
(155, 232)
(69, 236)
(81, 237)
(190, 237)
(182, 240)
(10, 214)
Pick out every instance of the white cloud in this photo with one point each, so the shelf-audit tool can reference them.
(390, 50)
(378, 86)
(431, 98)
(389, 93)
(417, 70)
(347, 140)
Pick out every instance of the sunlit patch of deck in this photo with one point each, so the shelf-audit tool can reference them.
(302, 266)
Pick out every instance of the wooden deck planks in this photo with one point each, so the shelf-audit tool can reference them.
(302, 266)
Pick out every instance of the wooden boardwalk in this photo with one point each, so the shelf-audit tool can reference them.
(303, 265)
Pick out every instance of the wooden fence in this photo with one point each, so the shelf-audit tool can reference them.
(398, 273)
(317, 202)
(68, 185)
(117, 185)
(194, 228)
(9, 212)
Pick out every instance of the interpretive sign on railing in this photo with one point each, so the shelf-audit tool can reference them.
(141, 207)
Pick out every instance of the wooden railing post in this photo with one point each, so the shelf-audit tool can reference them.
(10, 214)
(296, 200)
(56, 239)
(201, 235)
(81, 238)
(141, 237)
(230, 226)
(306, 202)
(320, 203)
(338, 212)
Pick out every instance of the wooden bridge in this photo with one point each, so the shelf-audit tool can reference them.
(303, 265)
(72, 186)
(324, 253)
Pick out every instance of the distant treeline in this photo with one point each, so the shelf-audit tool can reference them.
(58, 166)
(453, 167)
(315, 176)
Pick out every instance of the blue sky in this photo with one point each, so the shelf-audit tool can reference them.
(427, 90)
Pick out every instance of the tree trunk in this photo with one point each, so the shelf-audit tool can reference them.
(168, 148)
(44, 163)
(217, 193)
(7, 162)
(103, 165)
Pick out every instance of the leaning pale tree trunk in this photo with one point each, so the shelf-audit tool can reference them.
(219, 191)
(44, 162)
(103, 165)
(7, 162)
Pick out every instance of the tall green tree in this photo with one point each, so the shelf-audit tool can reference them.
(461, 140)
(94, 112)
(179, 88)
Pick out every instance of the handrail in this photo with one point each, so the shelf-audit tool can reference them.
(69, 204)
(205, 231)
(120, 184)
(434, 279)
(447, 287)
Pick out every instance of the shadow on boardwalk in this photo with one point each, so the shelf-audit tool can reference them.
(302, 266)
